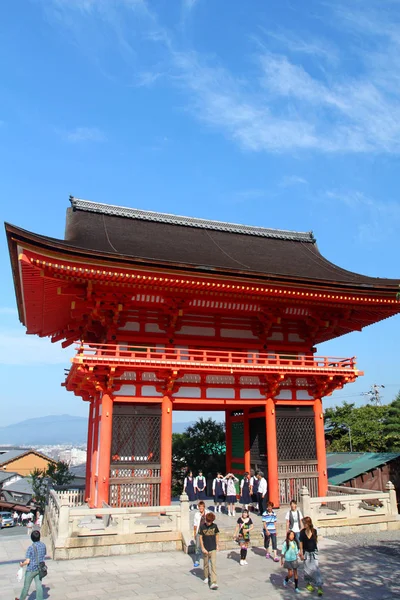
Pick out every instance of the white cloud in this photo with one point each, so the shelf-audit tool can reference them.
(17, 348)
(292, 180)
(84, 134)
(280, 104)
(376, 219)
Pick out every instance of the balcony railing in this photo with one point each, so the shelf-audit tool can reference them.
(190, 359)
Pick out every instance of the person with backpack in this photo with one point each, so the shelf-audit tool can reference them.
(289, 559)
(294, 519)
(34, 562)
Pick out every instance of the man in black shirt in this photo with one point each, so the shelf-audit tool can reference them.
(209, 538)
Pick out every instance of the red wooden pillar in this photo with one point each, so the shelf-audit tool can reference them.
(272, 452)
(320, 448)
(246, 439)
(105, 438)
(89, 450)
(166, 451)
(95, 454)
(228, 441)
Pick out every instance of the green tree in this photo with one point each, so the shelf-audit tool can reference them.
(201, 446)
(42, 479)
(391, 427)
(366, 425)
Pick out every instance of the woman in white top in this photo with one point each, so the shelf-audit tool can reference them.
(230, 480)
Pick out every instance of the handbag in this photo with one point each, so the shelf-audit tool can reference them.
(42, 567)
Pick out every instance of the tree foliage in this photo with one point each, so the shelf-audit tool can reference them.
(392, 425)
(42, 479)
(200, 446)
(372, 428)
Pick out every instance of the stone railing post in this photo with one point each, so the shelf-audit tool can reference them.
(305, 502)
(63, 521)
(392, 498)
(185, 522)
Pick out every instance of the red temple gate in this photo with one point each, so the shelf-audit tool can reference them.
(172, 313)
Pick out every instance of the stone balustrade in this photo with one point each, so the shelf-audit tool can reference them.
(79, 531)
(347, 512)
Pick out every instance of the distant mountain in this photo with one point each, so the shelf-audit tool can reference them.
(54, 430)
(51, 430)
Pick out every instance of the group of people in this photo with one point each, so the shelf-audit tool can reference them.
(301, 542)
(253, 491)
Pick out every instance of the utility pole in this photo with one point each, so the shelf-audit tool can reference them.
(374, 394)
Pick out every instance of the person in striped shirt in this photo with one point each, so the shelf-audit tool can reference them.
(269, 531)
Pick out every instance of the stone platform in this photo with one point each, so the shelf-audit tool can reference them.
(352, 569)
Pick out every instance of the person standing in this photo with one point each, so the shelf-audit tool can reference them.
(199, 519)
(269, 531)
(230, 480)
(200, 486)
(209, 540)
(188, 488)
(262, 493)
(35, 554)
(254, 489)
(294, 519)
(290, 552)
(309, 554)
(218, 490)
(242, 535)
(245, 497)
(15, 517)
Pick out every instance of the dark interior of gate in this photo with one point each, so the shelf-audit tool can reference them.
(135, 469)
(297, 459)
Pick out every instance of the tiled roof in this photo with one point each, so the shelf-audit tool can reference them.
(201, 245)
(22, 486)
(9, 454)
(344, 466)
(4, 475)
(147, 215)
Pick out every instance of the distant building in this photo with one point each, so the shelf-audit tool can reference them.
(22, 460)
(19, 492)
(365, 470)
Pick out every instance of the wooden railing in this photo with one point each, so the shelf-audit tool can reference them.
(292, 476)
(72, 497)
(135, 485)
(211, 360)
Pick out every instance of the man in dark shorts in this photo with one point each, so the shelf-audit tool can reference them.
(209, 538)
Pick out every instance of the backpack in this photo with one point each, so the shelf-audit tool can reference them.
(291, 519)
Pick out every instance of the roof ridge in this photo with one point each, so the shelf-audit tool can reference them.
(146, 215)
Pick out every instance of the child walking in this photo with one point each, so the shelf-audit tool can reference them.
(209, 539)
(309, 553)
(289, 560)
(242, 535)
(269, 530)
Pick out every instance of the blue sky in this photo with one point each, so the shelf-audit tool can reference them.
(275, 113)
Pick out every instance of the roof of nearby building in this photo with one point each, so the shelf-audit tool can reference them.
(4, 475)
(344, 466)
(21, 486)
(79, 471)
(8, 454)
(203, 244)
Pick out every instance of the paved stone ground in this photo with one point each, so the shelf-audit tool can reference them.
(366, 568)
